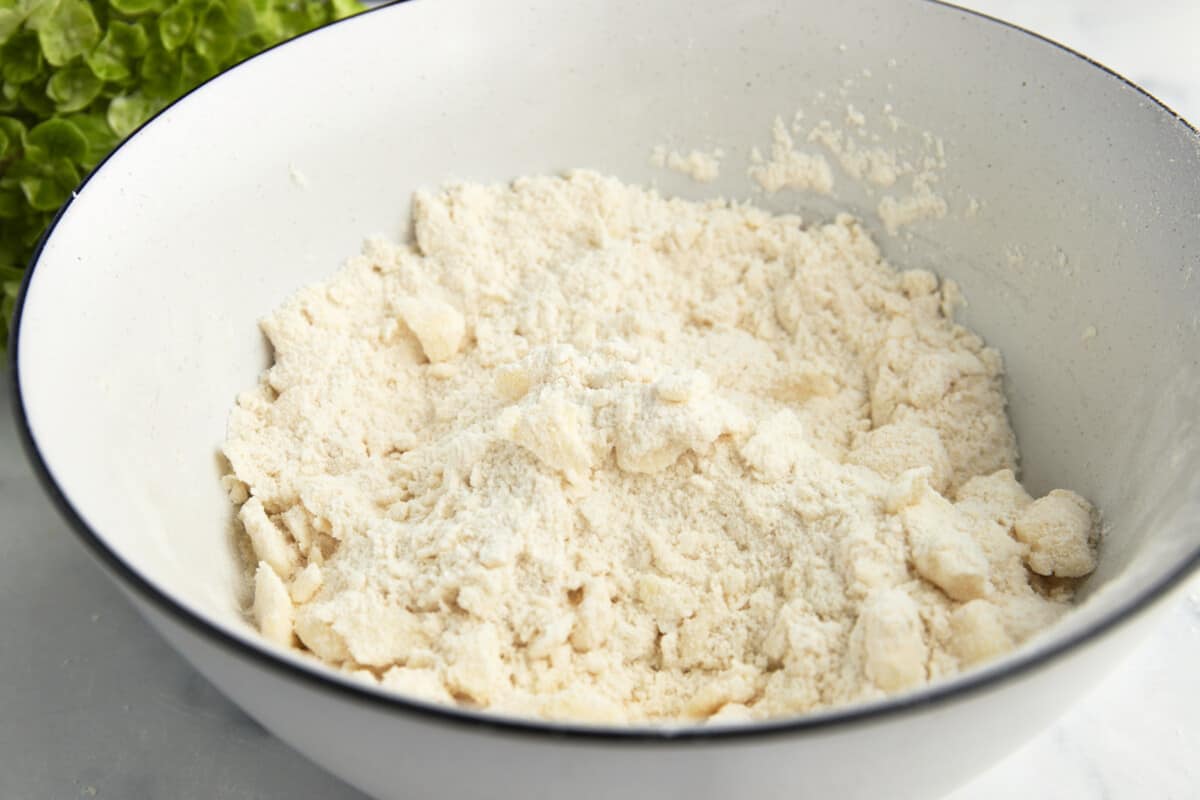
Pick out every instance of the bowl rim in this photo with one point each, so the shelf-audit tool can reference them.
(939, 693)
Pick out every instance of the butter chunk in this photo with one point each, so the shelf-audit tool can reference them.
(553, 429)
(978, 633)
(306, 584)
(893, 640)
(1059, 529)
(269, 542)
(943, 549)
(438, 326)
(273, 610)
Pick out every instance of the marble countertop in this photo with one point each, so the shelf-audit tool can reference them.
(93, 704)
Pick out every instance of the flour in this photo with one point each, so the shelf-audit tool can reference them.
(918, 163)
(789, 168)
(581, 452)
(922, 203)
(698, 165)
(876, 165)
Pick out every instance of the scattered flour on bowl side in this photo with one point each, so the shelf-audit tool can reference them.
(871, 165)
(698, 165)
(582, 452)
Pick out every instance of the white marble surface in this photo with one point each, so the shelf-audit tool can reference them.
(92, 704)
(1151, 42)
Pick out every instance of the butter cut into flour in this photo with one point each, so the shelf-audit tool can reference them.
(585, 453)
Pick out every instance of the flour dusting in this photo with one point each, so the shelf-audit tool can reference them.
(696, 164)
(789, 168)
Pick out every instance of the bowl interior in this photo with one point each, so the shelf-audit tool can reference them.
(1074, 204)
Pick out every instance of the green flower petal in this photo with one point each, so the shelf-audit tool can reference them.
(69, 31)
(21, 58)
(99, 136)
(215, 35)
(115, 57)
(243, 16)
(196, 69)
(34, 100)
(39, 11)
(55, 140)
(9, 274)
(12, 203)
(162, 74)
(345, 8)
(133, 7)
(300, 17)
(11, 19)
(50, 189)
(175, 25)
(127, 112)
(12, 138)
(73, 88)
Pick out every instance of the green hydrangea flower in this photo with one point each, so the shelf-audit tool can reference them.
(76, 77)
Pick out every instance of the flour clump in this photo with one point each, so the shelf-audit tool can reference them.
(582, 452)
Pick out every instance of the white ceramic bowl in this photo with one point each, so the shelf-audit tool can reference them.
(137, 329)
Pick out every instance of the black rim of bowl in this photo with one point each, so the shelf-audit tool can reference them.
(969, 684)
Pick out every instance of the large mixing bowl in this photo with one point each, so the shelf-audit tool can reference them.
(1074, 209)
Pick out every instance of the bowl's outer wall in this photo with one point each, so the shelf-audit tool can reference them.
(917, 755)
(137, 328)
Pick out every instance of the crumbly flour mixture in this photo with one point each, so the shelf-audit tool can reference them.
(583, 452)
(698, 165)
